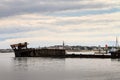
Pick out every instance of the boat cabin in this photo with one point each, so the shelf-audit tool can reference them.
(19, 46)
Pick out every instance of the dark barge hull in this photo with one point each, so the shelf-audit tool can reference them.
(87, 56)
(115, 54)
(56, 53)
(21, 50)
(59, 53)
(39, 52)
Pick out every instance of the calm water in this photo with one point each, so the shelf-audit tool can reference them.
(12, 68)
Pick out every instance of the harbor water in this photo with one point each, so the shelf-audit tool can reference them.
(38, 68)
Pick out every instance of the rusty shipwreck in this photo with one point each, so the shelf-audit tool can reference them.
(21, 50)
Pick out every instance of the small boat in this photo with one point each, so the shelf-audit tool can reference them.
(115, 52)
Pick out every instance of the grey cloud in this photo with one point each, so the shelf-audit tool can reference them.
(77, 22)
(9, 30)
(16, 7)
(20, 29)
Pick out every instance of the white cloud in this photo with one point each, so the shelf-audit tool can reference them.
(49, 28)
(32, 21)
(39, 22)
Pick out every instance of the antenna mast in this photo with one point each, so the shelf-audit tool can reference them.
(63, 44)
(117, 45)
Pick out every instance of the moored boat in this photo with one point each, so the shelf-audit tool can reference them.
(21, 50)
(115, 52)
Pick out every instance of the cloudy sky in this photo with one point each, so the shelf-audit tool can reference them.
(50, 22)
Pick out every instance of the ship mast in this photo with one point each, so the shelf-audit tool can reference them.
(63, 44)
(117, 45)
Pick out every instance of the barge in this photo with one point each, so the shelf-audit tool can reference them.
(21, 50)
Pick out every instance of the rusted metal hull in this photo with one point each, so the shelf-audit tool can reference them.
(40, 53)
(59, 53)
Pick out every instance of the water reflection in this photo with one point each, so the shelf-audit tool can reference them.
(20, 64)
(118, 59)
(39, 68)
(39, 64)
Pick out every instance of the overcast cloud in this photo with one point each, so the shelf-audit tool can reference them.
(51, 21)
(13, 7)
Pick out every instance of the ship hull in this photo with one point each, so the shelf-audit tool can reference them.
(39, 53)
(115, 54)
